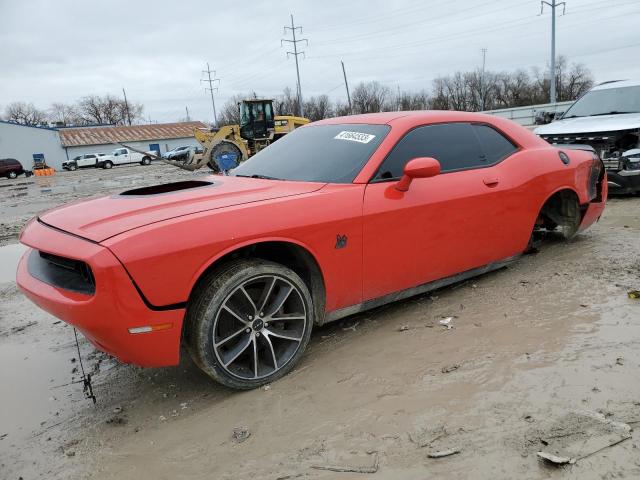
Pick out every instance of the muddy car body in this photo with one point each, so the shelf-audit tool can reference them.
(608, 119)
(342, 215)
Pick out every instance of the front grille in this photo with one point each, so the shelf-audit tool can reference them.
(587, 138)
(62, 272)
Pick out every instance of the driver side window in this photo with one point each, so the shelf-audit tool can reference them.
(454, 145)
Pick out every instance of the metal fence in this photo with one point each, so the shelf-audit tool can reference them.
(526, 115)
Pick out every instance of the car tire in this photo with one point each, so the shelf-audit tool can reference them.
(12, 175)
(73, 167)
(248, 322)
(108, 164)
(146, 161)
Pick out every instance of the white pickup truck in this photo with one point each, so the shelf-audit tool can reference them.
(124, 156)
(83, 161)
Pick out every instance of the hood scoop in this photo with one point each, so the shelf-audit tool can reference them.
(166, 188)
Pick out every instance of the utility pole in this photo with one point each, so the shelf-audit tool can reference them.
(187, 110)
(399, 99)
(211, 88)
(346, 86)
(482, 92)
(553, 4)
(126, 106)
(295, 53)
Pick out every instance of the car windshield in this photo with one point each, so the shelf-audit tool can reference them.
(317, 153)
(605, 102)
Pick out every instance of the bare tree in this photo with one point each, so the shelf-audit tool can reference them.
(369, 97)
(286, 104)
(64, 114)
(472, 90)
(572, 81)
(413, 100)
(230, 113)
(341, 109)
(25, 114)
(317, 108)
(94, 109)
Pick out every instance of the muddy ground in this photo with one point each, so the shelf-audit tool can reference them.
(541, 356)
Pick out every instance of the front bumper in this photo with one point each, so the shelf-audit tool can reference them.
(624, 181)
(106, 316)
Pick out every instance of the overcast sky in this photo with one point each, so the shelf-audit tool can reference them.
(58, 51)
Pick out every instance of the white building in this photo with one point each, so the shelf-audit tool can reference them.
(24, 143)
(160, 137)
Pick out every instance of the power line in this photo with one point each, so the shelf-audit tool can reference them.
(385, 17)
(211, 88)
(402, 29)
(406, 47)
(295, 54)
(553, 4)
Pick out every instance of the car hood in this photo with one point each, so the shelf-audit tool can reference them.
(101, 218)
(598, 123)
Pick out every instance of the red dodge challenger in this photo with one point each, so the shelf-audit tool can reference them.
(340, 216)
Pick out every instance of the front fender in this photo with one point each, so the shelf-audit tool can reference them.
(248, 243)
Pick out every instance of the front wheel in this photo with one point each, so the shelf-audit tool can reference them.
(73, 167)
(249, 322)
(146, 161)
(12, 175)
(108, 164)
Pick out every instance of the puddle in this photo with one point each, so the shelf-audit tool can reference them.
(9, 257)
(32, 375)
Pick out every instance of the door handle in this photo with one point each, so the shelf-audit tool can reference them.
(491, 181)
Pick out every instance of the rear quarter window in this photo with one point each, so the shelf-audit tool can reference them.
(494, 145)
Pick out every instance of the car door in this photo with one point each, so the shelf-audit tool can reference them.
(126, 156)
(442, 225)
(87, 160)
(121, 156)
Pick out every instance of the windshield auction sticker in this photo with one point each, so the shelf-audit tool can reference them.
(355, 137)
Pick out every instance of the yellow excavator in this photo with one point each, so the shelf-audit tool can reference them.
(225, 147)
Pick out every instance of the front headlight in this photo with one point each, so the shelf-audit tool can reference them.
(632, 163)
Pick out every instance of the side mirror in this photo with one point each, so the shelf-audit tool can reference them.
(421, 167)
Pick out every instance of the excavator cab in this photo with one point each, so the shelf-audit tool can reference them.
(256, 119)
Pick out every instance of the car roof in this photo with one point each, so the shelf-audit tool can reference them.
(405, 121)
(417, 116)
(617, 84)
(369, 118)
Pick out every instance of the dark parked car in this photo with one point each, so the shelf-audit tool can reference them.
(11, 168)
